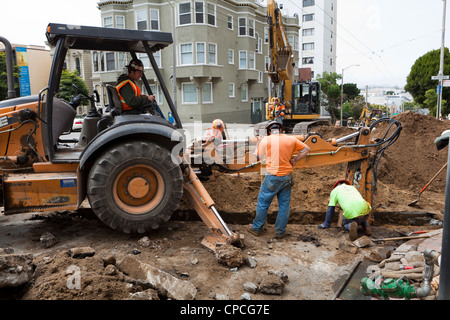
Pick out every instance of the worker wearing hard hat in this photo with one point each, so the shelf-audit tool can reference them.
(216, 133)
(279, 110)
(355, 209)
(278, 149)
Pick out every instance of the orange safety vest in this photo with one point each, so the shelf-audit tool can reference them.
(137, 93)
(280, 108)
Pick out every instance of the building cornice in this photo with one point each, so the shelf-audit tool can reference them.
(108, 2)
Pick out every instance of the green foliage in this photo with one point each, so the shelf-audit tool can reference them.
(419, 79)
(4, 76)
(430, 101)
(351, 91)
(353, 108)
(66, 90)
(331, 92)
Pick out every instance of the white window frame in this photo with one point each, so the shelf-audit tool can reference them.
(258, 43)
(210, 14)
(189, 13)
(137, 19)
(183, 93)
(110, 54)
(157, 92)
(230, 21)
(308, 46)
(243, 59)
(202, 12)
(230, 51)
(266, 35)
(151, 20)
(110, 24)
(197, 51)
(209, 99)
(231, 90)
(251, 60)
(260, 77)
(242, 27)
(191, 52)
(212, 54)
(266, 63)
(120, 25)
(251, 28)
(244, 98)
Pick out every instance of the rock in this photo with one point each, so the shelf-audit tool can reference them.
(251, 262)
(109, 260)
(111, 270)
(413, 256)
(250, 287)
(271, 284)
(144, 242)
(376, 256)
(222, 296)
(81, 252)
(229, 255)
(165, 283)
(48, 240)
(280, 274)
(349, 248)
(148, 294)
(246, 296)
(15, 270)
(6, 250)
(362, 242)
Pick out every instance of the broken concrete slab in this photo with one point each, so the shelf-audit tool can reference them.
(81, 252)
(165, 283)
(271, 284)
(15, 270)
(229, 255)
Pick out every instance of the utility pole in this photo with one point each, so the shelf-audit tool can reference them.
(441, 66)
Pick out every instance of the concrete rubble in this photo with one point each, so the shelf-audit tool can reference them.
(15, 269)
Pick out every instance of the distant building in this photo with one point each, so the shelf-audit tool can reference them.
(35, 63)
(318, 35)
(221, 54)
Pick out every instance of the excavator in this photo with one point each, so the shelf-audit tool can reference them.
(370, 116)
(302, 98)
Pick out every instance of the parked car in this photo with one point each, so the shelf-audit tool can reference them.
(77, 123)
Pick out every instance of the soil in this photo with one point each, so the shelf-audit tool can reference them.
(315, 261)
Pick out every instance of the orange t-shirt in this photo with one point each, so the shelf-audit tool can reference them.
(279, 149)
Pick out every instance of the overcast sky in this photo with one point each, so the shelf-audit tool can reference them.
(384, 37)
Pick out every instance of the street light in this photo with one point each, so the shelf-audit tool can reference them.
(342, 89)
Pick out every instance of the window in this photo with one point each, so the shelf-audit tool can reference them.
(110, 61)
(308, 17)
(266, 63)
(242, 26)
(308, 32)
(251, 60)
(230, 56)
(120, 60)
(258, 44)
(244, 93)
(308, 46)
(141, 20)
(145, 60)
(95, 61)
(157, 92)
(186, 55)
(212, 59)
(266, 35)
(308, 3)
(211, 14)
(260, 77)
(184, 15)
(157, 56)
(201, 58)
(309, 60)
(231, 90)
(207, 93)
(154, 19)
(108, 22)
(251, 27)
(199, 13)
(120, 22)
(230, 22)
(78, 65)
(189, 93)
(242, 59)
(331, 61)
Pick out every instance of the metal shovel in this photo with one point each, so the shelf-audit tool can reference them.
(426, 186)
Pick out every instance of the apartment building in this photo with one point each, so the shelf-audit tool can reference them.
(216, 66)
(318, 35)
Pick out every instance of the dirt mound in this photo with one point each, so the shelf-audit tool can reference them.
(403, 170)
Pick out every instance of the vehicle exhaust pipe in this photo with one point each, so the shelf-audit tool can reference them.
(9, 67)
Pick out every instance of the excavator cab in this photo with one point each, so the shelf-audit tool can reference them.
(306, 98)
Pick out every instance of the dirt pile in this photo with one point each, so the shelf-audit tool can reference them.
(403, 170)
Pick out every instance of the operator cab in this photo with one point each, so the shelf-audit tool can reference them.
(306, 98)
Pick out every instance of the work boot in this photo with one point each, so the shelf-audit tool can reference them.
(252, 231)
(353, 231)
(366, 228)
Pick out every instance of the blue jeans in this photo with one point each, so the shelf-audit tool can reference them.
(274, 186)
(361, 220)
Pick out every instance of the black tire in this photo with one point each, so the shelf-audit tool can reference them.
(135, 187)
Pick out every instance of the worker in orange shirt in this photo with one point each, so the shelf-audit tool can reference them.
(278, 149)
(215, 134)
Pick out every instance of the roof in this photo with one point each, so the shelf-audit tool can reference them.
(107, 39)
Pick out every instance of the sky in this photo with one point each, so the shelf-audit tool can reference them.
(385, 37)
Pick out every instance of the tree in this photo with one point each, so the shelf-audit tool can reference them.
(331, 93)
(419, 80)
(66, 90)
(351, 91)
(431, 101)
(4, 77)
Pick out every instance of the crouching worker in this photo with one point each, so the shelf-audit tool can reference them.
(355, 209)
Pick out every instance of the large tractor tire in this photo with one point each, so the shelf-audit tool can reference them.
(135, 187)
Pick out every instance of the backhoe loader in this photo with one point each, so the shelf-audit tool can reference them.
(130, 167)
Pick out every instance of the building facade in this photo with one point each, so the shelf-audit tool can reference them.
(216, 66)
(318, 35)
